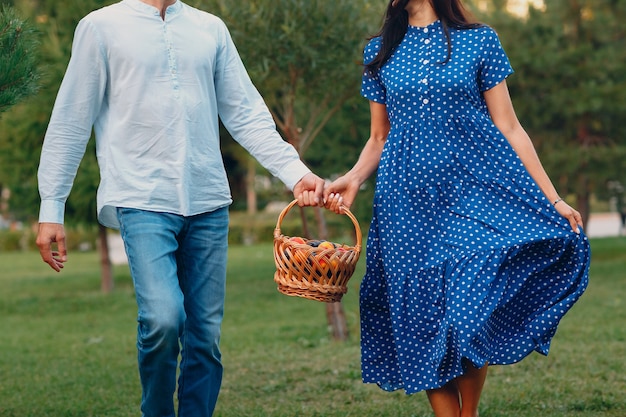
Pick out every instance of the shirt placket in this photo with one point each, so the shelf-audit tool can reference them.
(172, 60)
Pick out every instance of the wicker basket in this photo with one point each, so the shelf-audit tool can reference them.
(316, 273)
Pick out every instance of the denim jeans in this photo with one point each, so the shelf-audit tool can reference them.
(178, 266)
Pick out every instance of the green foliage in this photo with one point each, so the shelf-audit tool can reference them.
(569, 88)
(78, 237)
(18, 67)
(70, 350)
(22, 129)
(11, 240)
(258, 228)
(303, 55)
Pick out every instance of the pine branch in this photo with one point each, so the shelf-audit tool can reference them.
(18, 64)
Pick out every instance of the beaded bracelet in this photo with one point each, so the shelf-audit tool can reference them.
(557, 201)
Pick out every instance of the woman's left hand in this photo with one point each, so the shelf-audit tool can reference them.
(573, 216)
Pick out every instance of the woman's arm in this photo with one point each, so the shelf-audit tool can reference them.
(503, 115)
(344, 189)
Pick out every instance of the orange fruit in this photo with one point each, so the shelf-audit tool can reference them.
(326, 245)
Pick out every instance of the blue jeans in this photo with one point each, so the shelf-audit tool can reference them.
(178, 266)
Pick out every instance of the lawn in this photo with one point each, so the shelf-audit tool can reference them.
(67, 350)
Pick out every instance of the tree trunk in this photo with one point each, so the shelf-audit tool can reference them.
(583, 196)
(249, 236)
(251, 197)
(334, 311)
(106, 271)
(305, 225)
(337, 321)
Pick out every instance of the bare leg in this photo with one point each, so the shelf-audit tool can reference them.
(470, 386)
(445, 400)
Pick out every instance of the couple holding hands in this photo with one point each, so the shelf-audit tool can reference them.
(472, 256)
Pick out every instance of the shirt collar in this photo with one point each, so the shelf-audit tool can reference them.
(146, 8)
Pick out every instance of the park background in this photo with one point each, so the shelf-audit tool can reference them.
(67, 340)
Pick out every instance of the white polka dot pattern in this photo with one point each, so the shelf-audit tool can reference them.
(466, 258)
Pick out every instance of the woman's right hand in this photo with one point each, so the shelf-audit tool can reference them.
(340, 192)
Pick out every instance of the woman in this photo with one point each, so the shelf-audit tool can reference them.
(472, 256)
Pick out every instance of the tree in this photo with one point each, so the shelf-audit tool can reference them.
(304, 57)
(19, 77)
(18, 66)
(22, 131)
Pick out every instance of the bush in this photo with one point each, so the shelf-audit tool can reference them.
(77, 238)
(247, 229)
(11, 240)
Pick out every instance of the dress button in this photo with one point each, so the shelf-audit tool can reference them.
(426, 41)
(426, 62)
(425, 101)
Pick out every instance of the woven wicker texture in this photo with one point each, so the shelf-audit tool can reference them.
(318, 273)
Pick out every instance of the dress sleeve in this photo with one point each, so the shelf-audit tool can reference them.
(372, 87)
(495, 65)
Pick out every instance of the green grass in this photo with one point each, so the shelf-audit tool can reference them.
(67, 350)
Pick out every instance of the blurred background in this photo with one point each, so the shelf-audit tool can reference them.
(569, 90)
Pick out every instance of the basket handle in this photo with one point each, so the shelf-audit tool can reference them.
(344, 210)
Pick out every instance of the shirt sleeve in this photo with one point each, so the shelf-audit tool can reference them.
(244, 113)
(495, 65)
(75, 109)
(372, 87)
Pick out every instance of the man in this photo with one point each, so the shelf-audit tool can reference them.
(152, 77)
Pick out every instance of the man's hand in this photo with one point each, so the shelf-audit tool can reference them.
(50, 233)
(309, 190)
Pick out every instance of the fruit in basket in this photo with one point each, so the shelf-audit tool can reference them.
(326, 245)
(298, 240)
(314, 243)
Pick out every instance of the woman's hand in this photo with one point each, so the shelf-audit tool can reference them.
(573, 216)
(340, 192)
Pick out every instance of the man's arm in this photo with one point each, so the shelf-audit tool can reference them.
(246, 116)
(76, 107)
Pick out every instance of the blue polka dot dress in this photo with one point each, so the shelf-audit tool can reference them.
(466, 258)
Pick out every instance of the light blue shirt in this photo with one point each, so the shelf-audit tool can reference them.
(153, 89)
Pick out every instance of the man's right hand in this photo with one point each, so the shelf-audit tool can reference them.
(48, 235)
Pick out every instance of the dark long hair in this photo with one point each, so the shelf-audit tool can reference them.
(451, 13)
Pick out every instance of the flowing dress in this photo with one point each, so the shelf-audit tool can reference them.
(466, 258)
